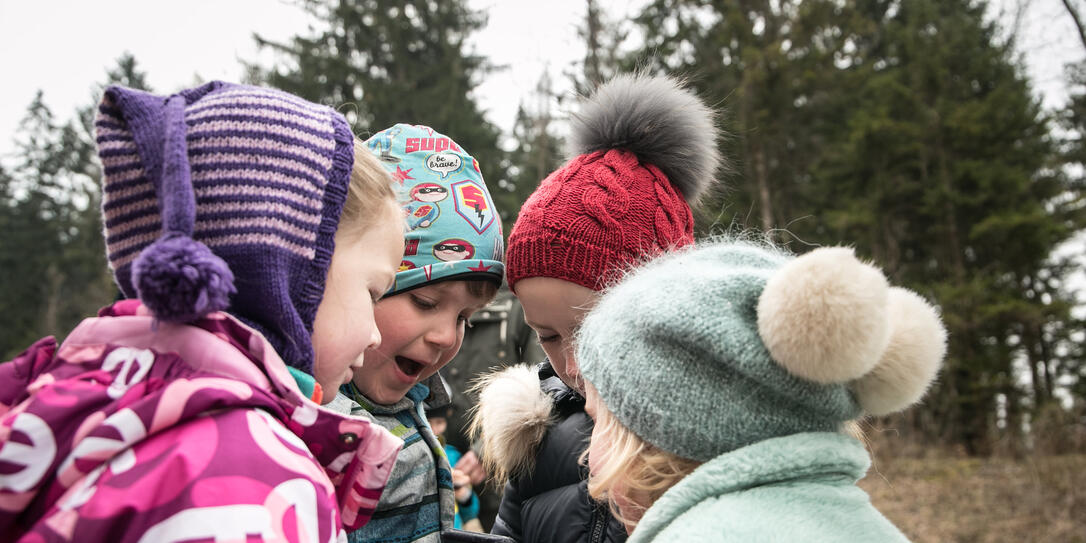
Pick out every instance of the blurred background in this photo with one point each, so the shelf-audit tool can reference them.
(942, 138)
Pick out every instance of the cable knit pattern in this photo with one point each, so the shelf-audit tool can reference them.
(613, 206)
(591, 219)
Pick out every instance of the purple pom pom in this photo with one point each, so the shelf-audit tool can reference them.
(180, 280)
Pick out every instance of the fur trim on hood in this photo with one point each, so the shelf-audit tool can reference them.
(510, 420)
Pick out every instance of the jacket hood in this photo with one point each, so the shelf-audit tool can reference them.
(511, 418)
(144, 389)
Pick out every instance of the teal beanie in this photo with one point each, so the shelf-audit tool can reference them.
(714, 348)
(453, 229)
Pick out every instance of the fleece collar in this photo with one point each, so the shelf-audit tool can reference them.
(812, 455)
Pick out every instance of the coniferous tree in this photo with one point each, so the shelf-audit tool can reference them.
(771, 68)
(382, 62)
(946, 168)
(603, 37)
(538, 151)
(39, 208)
(52, 257)
(904, 128)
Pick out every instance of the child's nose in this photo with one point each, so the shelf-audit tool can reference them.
(442, 334)
(375, 339)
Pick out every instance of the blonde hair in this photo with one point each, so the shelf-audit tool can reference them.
(368, 193)
(632, 467)
(635, 472)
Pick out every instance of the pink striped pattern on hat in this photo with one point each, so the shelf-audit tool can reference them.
(260, 162)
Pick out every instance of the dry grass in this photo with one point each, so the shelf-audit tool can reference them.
(948, 498)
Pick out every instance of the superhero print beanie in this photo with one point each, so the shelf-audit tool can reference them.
(453, 230)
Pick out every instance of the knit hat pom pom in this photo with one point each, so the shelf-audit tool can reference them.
(911, 360)
(657, 119)
(180, 280)
(823, 316)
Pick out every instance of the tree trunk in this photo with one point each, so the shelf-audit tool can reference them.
(592, 44)
(1046, 362)
(1078, 21)
(761, 176)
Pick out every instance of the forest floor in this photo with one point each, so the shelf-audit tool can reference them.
(948, 498)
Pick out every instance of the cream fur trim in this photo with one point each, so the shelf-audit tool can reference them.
(911, 360)
(823, 316)
(510, 419)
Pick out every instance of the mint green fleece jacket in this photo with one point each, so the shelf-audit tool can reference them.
(800, 487)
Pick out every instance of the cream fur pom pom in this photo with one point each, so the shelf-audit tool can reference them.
(823, 316)
(510, 419)
(912, 358)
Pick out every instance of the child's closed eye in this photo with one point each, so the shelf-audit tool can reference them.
(547, 338)
(423, 303)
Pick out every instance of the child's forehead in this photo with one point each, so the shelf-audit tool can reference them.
(458, 289)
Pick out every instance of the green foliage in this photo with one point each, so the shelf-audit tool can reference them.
(52, 257)
(905, 129)
(538, 152)
(382, 62)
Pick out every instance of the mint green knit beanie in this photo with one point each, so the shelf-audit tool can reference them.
(710, 349)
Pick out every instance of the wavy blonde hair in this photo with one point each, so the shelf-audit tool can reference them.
(635, 473)
(368, 193)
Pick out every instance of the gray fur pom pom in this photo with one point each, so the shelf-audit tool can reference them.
(659, 121)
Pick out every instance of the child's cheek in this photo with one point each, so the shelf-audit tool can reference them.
(597, 452)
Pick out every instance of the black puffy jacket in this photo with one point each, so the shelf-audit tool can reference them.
(548, 501)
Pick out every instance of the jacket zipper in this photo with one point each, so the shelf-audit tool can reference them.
(596, 535)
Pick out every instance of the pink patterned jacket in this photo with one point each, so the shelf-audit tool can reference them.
(135, 432)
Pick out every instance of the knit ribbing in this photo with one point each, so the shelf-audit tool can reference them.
(592, 219)
(269, 173)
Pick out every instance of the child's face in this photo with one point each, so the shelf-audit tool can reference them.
(438, 425)
(554, 309)
(362, 269)
(421, 331)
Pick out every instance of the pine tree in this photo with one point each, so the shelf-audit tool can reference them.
(538, 151)
(947, 169)
(382, 62)
(52, 256)
(37, 206)
(902, 127)
(603, 37)
(771, 68)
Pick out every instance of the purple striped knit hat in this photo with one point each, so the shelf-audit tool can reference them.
(224, 197)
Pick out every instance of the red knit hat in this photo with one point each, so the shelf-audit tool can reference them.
(647, 150)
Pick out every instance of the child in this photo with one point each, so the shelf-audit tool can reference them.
(497, 336)
(452, 267)
(721, 379)
(237, 219)
(467, 502)
(647, 151)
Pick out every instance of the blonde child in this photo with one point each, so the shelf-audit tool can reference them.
(646, 151)
(451, 268)
(251, 234)
(721, 380)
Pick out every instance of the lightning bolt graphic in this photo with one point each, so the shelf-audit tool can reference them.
(479, 212)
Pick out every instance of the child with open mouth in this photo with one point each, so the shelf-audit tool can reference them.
(422, 320)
